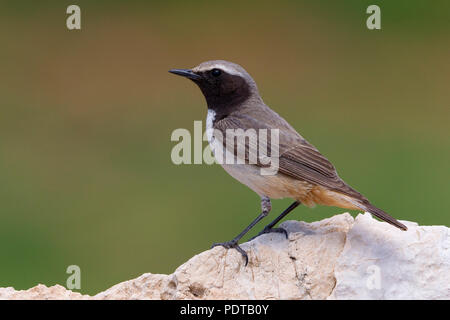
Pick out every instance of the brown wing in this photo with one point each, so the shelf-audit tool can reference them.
(305, 162)
(297, 158)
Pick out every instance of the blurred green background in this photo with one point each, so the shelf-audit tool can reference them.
(86, 118)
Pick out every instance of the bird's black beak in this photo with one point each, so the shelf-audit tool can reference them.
(186, 73)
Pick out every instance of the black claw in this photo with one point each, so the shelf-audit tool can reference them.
(272, 230)
(280, 230)
(232, 245)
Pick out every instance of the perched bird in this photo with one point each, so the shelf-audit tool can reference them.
(303, 173)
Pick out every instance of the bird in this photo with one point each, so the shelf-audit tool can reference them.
(303, 174)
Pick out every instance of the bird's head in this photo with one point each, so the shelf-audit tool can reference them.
(223, 83)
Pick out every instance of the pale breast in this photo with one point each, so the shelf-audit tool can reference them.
(273, 186)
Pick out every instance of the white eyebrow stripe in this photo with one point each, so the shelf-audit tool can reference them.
(224, 68)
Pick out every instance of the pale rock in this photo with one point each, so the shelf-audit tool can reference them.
(41, 292)
(380, 262)
(336, 258)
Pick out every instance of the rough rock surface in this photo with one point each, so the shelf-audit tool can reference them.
(336, 258)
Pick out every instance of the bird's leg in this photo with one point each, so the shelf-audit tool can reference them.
(266, 206)
(270, 227)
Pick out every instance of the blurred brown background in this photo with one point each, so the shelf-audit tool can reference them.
(86, 118)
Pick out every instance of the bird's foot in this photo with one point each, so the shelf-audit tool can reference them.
(271, 230)
(233, 244)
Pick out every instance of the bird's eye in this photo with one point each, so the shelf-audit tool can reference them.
(216, 72)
